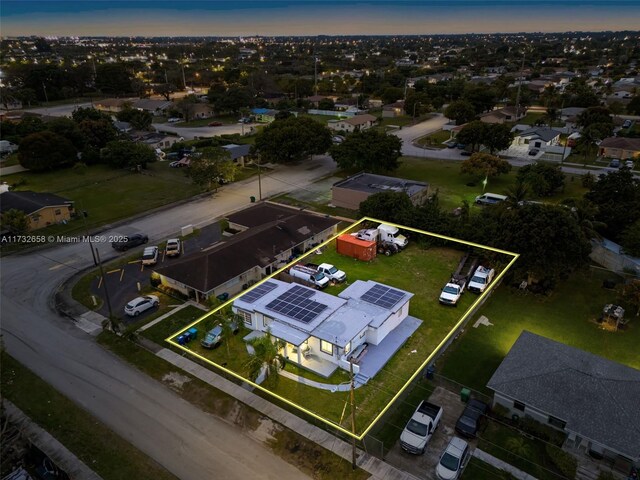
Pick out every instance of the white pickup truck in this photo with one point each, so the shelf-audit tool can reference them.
(481, 279)
(330, 271)
(451, 293)
(420, 428)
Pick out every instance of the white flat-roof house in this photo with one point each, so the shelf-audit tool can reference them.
(322, 332)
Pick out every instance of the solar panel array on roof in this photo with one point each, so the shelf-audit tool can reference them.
(382, 296)
(258, 292)
(295, 303)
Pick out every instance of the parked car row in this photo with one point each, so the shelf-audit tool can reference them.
(319, 276)
(423, 424)
(475, 281)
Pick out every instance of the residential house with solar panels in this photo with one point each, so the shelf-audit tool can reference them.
(365, 324)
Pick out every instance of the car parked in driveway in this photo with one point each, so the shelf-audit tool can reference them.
(141, 304)
(213, 337)
(469, 422)
(453, 460)
(173, 248)
(615, 163)
(533, 152)
(150, 256)
(130, 241)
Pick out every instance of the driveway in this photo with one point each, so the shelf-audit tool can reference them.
(186, 441)
(424, 466)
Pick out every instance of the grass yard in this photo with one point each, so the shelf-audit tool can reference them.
(315, 461)
(435, 139)
(420, 270)
(166, 327)
(567, 316)
(324, 119)
(95, 444)
(403, 120)
(479, 470)
(532, 117)
(526, 454)
(445, 176)
(128, 193)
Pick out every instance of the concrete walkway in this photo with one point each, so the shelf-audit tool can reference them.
(376, 467)
(499, 464)
(57, 452)
(171, 312)
(12, 169)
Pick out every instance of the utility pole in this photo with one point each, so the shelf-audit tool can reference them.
(353, 418)
(519, 87)
(259, 179)
(84, 221)
(106, 291)
(315, 75)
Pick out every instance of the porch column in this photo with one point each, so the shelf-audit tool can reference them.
(299, 359)
(284, 350)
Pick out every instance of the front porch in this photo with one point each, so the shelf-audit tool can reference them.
(308, 360)
(377, 356)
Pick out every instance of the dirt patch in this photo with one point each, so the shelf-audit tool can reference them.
(175, 380)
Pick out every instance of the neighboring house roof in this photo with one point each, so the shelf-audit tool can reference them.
(113, 102)
(546, 134)
(237, 151)
(371, 183)
(122, 126)
(263, 111)
(621, 142)
(265, 212)
(316, 98)
(572, 111)
(30, 202)
(360, 119)
(598, 398)
(258, 246)
(391, 106)
(152, 105)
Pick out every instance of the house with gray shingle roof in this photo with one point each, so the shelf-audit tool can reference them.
(536, 137)
(594, 400)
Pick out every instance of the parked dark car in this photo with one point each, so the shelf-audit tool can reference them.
(469, 422)
(534, 151)
(130, 242)
(615, 163)
(215, 124)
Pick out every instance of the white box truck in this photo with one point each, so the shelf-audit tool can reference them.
(389, 240)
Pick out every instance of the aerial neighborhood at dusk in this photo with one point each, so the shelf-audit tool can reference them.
(291, 240)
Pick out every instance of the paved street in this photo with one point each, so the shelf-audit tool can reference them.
(189, 133)
(188, 442)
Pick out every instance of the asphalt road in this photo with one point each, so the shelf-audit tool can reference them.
(188, 442)
(189, 133)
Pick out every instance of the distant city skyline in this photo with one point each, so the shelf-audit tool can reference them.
(311, 17)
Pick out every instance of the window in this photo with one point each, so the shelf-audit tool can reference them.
(57, 211)
(266, 321)
(347, 348)
(326, 347)
(518, 405)
(246, 317)
(556, 422)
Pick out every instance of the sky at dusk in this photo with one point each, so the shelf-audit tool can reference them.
(311, 17)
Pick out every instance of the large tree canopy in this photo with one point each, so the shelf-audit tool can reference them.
(370, 150)
(461, 111)
(46, 151)
(127, 154)
(542, 178)
(292, 140)
(484, 165)
(212, 167)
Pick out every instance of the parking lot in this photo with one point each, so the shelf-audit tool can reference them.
(124, 280)
(424, 466)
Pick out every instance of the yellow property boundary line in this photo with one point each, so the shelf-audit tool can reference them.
(415, 374)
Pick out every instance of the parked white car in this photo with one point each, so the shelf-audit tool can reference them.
(481, 279)
(173, 247)
(174, 120)
(141, 304)
(453, 460)
(150, 256)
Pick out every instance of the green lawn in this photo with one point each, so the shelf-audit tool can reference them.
(532, 117)
(567, 316)
(526, 454)
(166, 327)
(419, 270)
(315, 461)
(95, 444)
(403, 120)
(324, 119)
(435, 139)
(479, 470)
(108, 194)
(445, 176)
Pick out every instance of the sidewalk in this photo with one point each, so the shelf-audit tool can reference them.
(376, 467)
(499, 464)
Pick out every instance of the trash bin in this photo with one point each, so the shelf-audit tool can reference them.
(253, 199)
(465, 395)
(430, 371)
(223, 297)
(193, 333)
(181, 340)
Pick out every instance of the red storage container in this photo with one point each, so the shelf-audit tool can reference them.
(352, 247)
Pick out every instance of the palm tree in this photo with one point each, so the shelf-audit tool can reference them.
(518, 193)
(265, 354)
(518, 446)
(585, 212)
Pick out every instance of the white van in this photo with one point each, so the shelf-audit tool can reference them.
(490, 199)
(309, 275)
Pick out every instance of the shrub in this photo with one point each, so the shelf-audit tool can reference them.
(541, 431)
(564, 462)
(606, 476)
